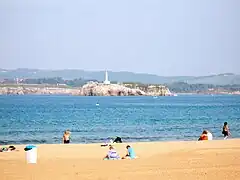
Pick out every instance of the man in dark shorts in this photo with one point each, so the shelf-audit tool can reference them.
(225, 130)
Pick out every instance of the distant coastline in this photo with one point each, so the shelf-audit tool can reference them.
(89, 89)
(109, 90)
(122, 76)
(24, 84)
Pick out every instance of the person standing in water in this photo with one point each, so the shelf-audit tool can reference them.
(66, 137)
(225, 130)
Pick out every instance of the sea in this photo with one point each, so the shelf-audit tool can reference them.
(42, 119)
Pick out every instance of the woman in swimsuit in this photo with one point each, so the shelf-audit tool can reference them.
(203, 136)
(225, 130)
(66, 137)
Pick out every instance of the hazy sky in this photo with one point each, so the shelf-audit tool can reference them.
(164, 37)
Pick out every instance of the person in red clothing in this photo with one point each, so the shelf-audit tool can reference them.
(203, 136)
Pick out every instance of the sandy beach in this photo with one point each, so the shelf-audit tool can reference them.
(157, 160)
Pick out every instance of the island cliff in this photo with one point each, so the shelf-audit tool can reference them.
(89, 89)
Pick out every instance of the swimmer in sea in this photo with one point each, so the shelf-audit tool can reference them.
(66, 137)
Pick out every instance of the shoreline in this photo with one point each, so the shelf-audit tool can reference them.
(124, 142)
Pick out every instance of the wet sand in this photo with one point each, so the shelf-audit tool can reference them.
(210, 160)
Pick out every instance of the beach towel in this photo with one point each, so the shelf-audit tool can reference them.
(118, 158)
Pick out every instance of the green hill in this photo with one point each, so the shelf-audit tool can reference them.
(123, 76)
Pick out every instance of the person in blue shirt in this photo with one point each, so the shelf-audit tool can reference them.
(130, 153)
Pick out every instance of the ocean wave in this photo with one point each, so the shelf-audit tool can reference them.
(24, 141)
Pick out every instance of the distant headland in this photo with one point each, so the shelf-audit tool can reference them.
(30, 81)
(91, 88)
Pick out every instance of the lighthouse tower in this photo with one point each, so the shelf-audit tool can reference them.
(106, 81)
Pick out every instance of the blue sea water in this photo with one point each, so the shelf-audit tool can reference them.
(43, 119)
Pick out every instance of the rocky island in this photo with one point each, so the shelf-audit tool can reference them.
(101, 89)
(91, 88)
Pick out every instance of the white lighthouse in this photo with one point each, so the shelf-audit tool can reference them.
(106, 81)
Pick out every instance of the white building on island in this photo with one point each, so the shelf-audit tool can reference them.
(106, 81)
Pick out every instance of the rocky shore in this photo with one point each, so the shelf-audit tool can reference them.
(89, 89)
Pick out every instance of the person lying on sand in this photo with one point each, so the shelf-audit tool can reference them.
(7, 149)
(107, 143)
(130, 153)
(112, 154)
(203, 136)
(66, 137)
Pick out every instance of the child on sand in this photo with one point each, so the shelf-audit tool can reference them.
(225, 130)
(130, 153)
(112, 154)
(66, 137)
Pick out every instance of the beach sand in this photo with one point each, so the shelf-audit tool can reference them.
(210, 160)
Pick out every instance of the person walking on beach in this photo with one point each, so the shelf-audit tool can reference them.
(225, 130)
(66, 137)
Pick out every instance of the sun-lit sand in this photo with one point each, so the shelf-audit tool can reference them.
(210, 160)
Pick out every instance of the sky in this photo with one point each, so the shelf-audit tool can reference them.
(163, 37)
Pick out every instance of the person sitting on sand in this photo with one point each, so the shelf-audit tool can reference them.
(66, 137)
(117, 140)
(112, 154)
(203, 136)
(225, 130)
(130, 153)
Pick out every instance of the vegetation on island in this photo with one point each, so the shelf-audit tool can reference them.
(123, 76)
(176, 87)
(182, 87)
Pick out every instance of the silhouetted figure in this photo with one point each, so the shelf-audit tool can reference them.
(225, 130)
(117, 140)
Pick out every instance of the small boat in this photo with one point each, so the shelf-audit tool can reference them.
(97, 104)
